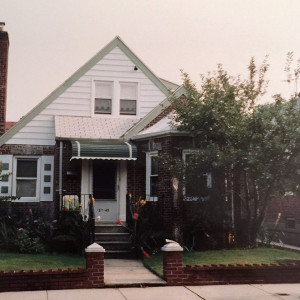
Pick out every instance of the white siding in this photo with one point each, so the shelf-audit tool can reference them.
(77, 99)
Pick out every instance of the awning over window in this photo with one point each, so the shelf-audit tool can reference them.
(104, 149)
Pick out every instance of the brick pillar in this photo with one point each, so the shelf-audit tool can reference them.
(4, 44)
(95, 265)
(172, 263)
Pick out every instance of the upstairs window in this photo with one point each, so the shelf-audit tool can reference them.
(128, 97)
(103, 97)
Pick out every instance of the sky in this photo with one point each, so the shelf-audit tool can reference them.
(51, 39)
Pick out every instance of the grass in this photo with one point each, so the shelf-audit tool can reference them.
(236, 256)
(18, 261)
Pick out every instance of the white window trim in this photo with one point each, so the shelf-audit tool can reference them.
(186, 152)
(38, 179)
(148, 174)
(115, 107)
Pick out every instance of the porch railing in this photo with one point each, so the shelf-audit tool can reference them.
(84, 203)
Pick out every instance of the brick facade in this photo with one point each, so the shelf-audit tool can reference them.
(4, 45)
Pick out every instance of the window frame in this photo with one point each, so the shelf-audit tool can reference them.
(38, 177)
(186, 152)
(135, 84)
(290, 221)
(149, 156)
(111, 84)
(116, 96)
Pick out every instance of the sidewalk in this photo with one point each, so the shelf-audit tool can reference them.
(227, 292)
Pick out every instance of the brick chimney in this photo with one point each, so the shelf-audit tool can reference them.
(4, 44)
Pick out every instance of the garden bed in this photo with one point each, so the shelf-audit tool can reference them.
(226, 257)
(18, 261)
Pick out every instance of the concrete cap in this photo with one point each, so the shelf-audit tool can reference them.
(171, 246)
(94, 248)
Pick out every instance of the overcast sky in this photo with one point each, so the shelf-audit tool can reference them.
(51, 39)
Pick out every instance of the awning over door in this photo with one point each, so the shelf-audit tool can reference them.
(104, 149)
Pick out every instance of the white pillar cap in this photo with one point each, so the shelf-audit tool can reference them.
(94, 248)
(171, 246)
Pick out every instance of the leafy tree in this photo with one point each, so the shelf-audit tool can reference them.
(256, 146)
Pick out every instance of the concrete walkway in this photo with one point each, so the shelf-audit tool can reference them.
(129, 272)
(223, 292)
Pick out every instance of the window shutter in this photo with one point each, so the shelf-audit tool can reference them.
(6, 182)
(47, 173)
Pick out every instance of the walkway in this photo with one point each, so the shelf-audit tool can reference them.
(128, 272)
(222, 292)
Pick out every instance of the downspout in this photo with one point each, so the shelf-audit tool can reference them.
(60, 174)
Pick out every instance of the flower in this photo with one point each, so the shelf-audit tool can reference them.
(68, 199)
(66, 209)
(21, 229)
(119, 222)
(135, 216)
(146, 254)
(34, 242)
(93, 199)
(35, 221)
(142, 202)
(30, 211)
(129, 195)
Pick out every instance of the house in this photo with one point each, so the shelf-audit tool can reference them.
(93, 137)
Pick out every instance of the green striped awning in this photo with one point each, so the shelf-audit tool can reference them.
(104, 149)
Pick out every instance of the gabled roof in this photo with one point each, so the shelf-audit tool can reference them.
(134, 130)
(116, 42)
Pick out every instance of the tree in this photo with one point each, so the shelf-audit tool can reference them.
(256, 146)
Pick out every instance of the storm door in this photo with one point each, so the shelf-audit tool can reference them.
(105, 189)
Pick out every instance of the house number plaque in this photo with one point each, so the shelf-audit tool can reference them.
(102, 209)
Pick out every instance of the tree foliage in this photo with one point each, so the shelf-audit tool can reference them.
(256, 146)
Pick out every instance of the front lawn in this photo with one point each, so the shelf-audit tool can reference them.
(236, 256)
(18, 261)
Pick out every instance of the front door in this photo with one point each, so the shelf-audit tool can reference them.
(105, 189)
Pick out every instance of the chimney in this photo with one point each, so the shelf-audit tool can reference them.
(4, 44)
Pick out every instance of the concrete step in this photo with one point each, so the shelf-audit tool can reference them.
(116, 245)
(119, 254)
(109, 228)
(118, 236)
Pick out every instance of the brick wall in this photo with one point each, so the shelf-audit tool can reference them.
(4, 45)
(91, 277)
(177, 274)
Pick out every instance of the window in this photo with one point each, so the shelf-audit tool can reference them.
(103, 97)
(32, 178)
(26, 177)
(197, 184)
(152, 176)
(128, 97)
(290, 223)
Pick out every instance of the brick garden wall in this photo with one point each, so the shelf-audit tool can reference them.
(91, 277)
(177, 274)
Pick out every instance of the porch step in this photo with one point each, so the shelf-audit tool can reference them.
(115, 239)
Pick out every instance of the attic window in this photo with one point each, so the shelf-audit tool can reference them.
(128, 98)
(103, 97)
